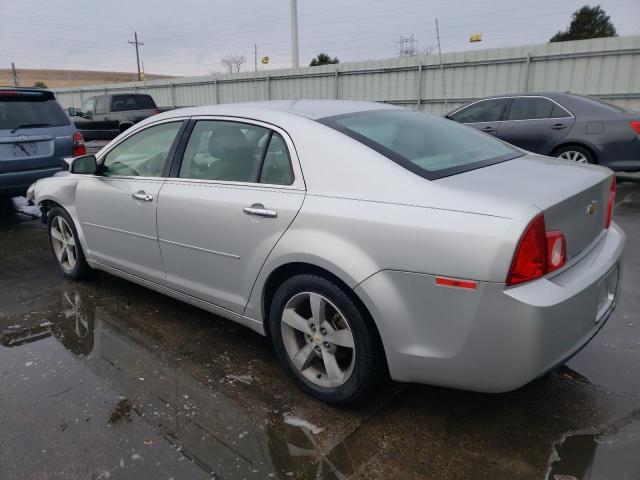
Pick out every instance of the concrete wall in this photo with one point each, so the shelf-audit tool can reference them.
(608, 68)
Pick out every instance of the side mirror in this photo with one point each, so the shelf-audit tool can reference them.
(72, 112)
(85, 165)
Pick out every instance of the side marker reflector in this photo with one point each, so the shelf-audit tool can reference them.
(454, 282)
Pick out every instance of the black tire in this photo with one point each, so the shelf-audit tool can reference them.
(586, 153)
(369, 367)
(81, 269)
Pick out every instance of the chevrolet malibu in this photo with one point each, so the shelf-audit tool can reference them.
(364, 240)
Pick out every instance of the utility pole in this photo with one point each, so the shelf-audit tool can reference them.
(137, 44)
(444, 88)
(16, 83)
(295, 58)
(255, 70)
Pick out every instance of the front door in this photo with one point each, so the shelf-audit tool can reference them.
(236, 192)
(535, 124)
(117, 209)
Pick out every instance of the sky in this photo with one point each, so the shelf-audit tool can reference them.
(189, 37)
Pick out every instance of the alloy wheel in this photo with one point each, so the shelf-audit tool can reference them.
(318, 339)
(64, 243)
(573, 156)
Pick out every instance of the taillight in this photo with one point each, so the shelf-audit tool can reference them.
(611, 202)
(635, 125)
(79, 147)
(539, 252)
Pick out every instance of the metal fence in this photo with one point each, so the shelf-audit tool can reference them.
(607, 67)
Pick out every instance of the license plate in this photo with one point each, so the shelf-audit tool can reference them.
(607, 288)
(24, 148)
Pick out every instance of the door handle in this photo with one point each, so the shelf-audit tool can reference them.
(142, 196)
(258, 210)
(558, 126)
(488, 129)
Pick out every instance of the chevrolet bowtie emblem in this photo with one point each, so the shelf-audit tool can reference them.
(592, 207)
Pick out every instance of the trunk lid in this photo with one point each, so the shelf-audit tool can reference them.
(573, 197)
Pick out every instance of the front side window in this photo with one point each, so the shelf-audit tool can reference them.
(142, 154)
(87, 106)
(483, 111)
(101, 106)
(534, 108)
(429, 146)
(235, 152)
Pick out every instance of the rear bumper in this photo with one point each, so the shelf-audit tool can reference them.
(16, 183)
(493, 339)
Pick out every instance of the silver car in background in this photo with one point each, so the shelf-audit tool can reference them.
(365, 240)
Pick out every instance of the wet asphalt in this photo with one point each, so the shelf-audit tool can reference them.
(106, 379)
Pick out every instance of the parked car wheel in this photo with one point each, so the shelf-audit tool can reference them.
(65, 244)
(324, 341)
(576, 154)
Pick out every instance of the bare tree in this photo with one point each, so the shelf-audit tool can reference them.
(233, 62)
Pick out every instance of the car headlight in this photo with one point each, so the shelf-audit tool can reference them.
(31, 193)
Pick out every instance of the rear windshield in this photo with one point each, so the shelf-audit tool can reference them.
(121, 103)
(25, 110)
(429, 146)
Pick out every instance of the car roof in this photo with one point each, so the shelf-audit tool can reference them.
(312, 109)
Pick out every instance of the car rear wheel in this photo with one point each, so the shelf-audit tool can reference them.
(322, 338)
(574, 153)
(65, 244)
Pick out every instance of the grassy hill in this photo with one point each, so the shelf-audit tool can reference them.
(70, 78)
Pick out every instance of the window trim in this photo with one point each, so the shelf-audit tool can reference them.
(406, 163)
(464, 107)
(294, 162)
(571, 115)
(101, 156)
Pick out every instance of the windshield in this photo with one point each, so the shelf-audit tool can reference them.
(429, 146)
(19, 110)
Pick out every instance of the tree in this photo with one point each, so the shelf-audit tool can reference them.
(588, 22)
(323, 59)
(40, 84)
(233, 62)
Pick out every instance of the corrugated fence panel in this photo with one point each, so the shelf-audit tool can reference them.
(605, 67)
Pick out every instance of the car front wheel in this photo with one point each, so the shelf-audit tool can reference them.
(65, 244)
(329, 349)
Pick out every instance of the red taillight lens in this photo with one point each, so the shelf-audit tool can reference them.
(79, 147)
(530, 260)
(539, 252)
(635, 125)
(611, 202)
(556, 250)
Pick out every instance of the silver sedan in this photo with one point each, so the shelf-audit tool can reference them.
(365, 240)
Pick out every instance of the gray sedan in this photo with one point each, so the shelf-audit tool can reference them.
(365, 240)
(572, 127)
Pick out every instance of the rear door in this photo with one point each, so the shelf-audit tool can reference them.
(236, 191)
(484, 115)
(117, 209)
(35, 133)
(535, 123)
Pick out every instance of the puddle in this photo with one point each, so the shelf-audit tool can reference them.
(613, 454)
(83, 376)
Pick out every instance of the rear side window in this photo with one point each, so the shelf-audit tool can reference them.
(36, 109)
(236, 152)
(121, 103)
(535, 108)
(429, 146)
(483, 111)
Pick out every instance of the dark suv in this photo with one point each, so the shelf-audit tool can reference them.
(35, 136)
